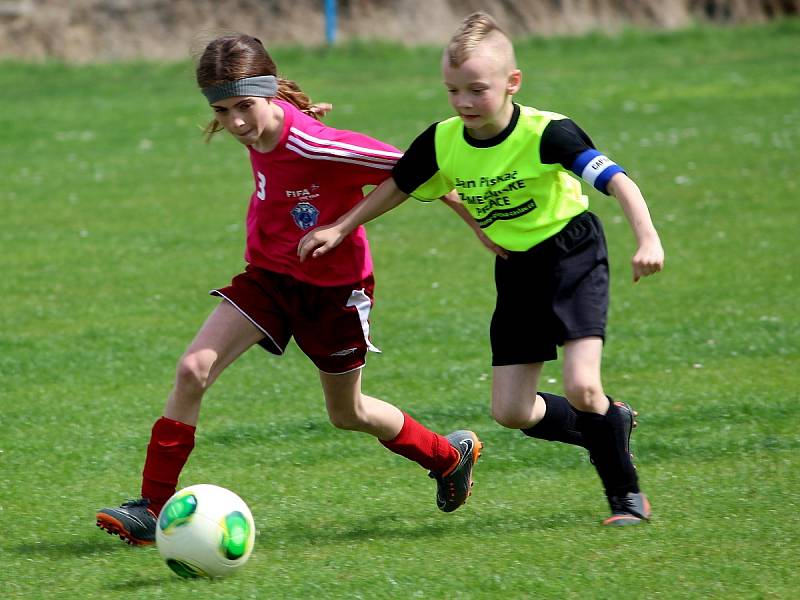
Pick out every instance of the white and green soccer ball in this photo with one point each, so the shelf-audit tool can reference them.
(205, 531)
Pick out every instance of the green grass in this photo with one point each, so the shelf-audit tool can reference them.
(117, 219)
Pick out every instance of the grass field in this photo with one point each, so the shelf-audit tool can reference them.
(117, 220)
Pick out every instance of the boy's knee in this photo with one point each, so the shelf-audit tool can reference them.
(509, 415)
(506, 420)
(585, 395)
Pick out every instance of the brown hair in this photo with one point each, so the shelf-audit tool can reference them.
(233, 57)
(473, 30)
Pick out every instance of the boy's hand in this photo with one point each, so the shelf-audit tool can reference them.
(498, 250)
(321, 108)
(649, 259)
(319, 241)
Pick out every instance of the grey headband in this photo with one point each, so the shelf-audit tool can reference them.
(263, 86)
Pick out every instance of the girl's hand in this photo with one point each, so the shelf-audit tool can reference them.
(649, 259)
(452, 200)
(319, 241)
(490, 245)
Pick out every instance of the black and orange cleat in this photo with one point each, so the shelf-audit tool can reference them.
(631, 509)
(455, 486)
(133, 522)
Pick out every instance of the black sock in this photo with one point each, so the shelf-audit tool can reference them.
(558, 423)
(616, 419)
(604, 438)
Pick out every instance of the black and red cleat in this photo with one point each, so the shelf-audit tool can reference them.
(455, 485)
(133, 522)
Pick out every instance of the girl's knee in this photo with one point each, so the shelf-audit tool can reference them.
(192, 373)
(346, 416)
(348, 421)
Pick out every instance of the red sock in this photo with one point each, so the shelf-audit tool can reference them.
(418, 443)
(171, 442)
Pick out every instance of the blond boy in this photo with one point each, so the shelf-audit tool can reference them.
(515, 171)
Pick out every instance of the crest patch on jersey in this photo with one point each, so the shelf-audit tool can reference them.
(305, 215)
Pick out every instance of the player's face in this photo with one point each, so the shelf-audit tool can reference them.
(247, 118)
(480, 91)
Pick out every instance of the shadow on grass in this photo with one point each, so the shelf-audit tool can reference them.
(87, 548)
(142, 583)
(383, 527)
(69, 548)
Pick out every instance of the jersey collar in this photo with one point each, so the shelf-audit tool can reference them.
(499, 138)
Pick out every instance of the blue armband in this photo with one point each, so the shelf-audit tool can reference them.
(596, 169)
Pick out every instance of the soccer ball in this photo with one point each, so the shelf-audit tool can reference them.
(205, 531)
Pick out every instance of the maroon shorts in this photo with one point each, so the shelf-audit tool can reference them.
(329, 324)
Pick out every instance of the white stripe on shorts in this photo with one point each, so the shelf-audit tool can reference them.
(361, 301)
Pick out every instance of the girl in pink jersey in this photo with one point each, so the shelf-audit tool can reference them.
(304, 173)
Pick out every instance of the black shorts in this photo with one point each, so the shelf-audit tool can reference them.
(554, 292)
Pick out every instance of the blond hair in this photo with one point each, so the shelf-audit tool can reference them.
(474, 29)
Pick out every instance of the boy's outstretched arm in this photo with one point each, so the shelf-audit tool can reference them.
(649, 256)
(453, 201)
(323, 239)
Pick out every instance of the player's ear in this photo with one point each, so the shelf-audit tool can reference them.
(514, 82)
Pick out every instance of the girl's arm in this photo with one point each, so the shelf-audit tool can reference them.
(323, 239)
(649, 256)
(453, 201)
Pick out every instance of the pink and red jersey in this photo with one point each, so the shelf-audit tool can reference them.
(313, 176)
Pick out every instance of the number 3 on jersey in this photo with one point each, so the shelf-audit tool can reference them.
(261, 186)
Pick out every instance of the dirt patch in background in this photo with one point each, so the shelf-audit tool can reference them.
(104, 30)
